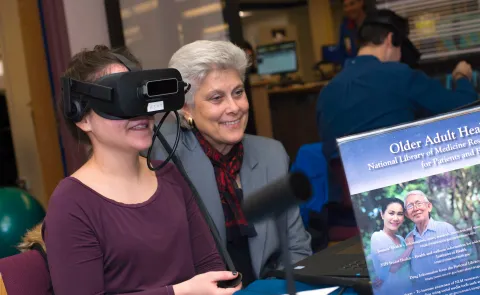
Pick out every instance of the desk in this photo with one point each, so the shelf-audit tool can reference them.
(278, 287)
(282, 112)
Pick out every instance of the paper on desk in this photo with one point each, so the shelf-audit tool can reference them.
(323, 291)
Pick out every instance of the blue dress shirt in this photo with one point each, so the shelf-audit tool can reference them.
(369, 94)
(441, 238)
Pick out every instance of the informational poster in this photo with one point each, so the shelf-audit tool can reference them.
(415, 190)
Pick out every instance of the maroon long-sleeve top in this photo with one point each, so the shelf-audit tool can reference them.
(98, 246)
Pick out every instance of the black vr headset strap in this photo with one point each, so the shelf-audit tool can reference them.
(410, 54)
(216, 236)
(91, 90)
(126, 62)
(398, 33)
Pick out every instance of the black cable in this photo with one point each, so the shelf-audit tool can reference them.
(171, 156)
(156, 132)
(216, 236)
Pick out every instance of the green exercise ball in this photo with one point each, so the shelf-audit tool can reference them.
(19, 212)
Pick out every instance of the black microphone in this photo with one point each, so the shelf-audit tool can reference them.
(274, 199)
(277, 197)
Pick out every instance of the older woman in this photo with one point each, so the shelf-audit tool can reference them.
(223, 163)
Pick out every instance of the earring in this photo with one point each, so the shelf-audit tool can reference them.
(190, 121)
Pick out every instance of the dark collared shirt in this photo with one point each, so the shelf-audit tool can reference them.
(369, 94)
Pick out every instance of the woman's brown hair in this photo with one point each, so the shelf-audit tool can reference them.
(87, 66)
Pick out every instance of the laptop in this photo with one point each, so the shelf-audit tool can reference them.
(342, 264)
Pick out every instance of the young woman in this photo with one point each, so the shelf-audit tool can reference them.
(390, 252)
(116, 227)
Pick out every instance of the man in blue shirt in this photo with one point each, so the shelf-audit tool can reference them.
(375, 90)
(354, 11)
(438, 237)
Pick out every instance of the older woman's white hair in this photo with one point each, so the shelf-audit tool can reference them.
(196, 60)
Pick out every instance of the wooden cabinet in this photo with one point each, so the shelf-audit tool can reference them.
(287, 113)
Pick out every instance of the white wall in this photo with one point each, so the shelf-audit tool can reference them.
(158, 26)
(267, 18)
(86, 24)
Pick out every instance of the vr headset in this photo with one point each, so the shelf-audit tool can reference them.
(400, 29)
(125, 95)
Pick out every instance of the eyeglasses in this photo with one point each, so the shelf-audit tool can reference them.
(419, 205)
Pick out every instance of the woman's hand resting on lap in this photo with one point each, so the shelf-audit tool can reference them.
(206, 284)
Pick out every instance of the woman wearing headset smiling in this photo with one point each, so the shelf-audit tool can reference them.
(116, 227)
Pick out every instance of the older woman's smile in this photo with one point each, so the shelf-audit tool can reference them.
(231, 124)
(220, 109)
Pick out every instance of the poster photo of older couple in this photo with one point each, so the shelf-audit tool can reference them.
(422, 235)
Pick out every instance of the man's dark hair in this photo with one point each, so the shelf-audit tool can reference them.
(373, 34)
(343, 1)
(378, 24)
(364, 7)
(245, 45)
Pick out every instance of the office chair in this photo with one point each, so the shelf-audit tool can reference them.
(25, 274)
(341, 219)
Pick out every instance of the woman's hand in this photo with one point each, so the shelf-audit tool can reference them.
(206, 284)
(377, 283)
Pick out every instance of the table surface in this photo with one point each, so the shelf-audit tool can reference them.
(313, 87)
(278, 287)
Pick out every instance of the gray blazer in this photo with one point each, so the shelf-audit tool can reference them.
(264, 160)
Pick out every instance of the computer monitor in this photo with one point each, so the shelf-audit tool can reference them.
(277, 59)
(332, 54)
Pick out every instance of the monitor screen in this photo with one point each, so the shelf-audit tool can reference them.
(279, 58)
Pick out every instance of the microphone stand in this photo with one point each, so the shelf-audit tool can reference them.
(286, 257)
(271, 202)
